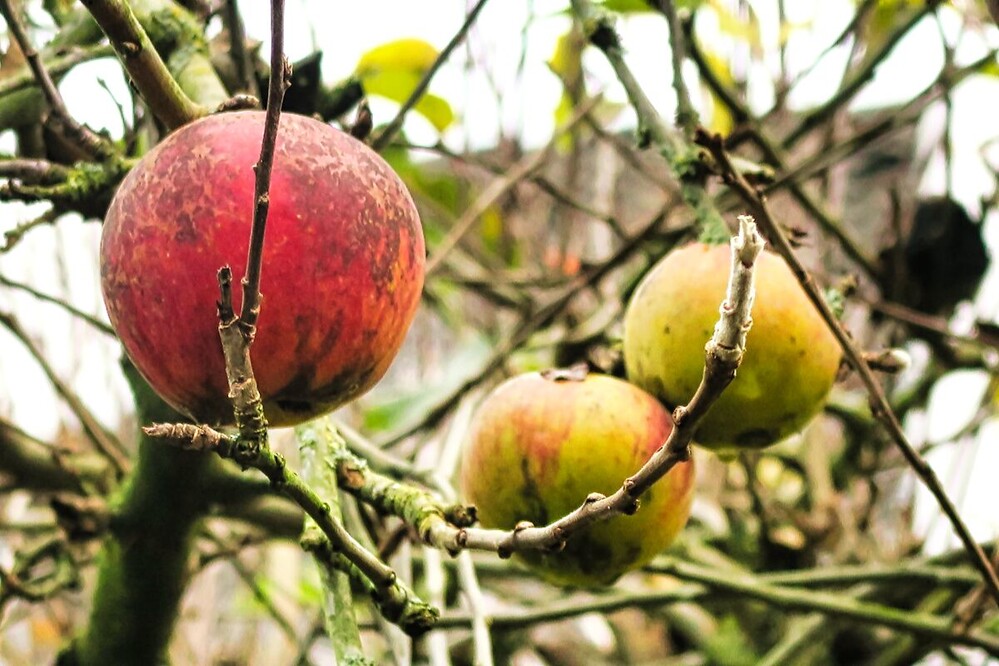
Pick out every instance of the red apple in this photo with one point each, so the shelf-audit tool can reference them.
(540, 443)
(342, 265)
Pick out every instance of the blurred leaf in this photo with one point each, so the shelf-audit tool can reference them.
(438, 185)
(405, 409)
(491, 222)
(397, 85)
(745, 30)
(567, 64)
(394, 70)
(887, 15)
(567, 59)
(721, 118)
(991, 68)
(729, 645)
(409, 54)
(643, 6)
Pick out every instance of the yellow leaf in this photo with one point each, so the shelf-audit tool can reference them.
(567, 60)
(398, 85)
(743, 29)
(409, 53)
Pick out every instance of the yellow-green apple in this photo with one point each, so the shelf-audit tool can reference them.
(791, 358)
(542, 442)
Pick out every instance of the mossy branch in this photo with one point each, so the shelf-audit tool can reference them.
(337, 547)
(318, 442)
(144, 65)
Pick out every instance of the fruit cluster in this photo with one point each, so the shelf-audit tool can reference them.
(343, 272)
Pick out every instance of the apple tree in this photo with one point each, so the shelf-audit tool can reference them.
(589, 332)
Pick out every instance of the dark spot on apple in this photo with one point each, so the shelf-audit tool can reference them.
(186, 231)
(537, 513)
(293, 406)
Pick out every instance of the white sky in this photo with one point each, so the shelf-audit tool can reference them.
(525, 108)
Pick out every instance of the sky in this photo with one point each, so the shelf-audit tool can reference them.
(524, 109)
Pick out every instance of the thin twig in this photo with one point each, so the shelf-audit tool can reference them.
(279, 81)
(386, 135)
(56, 66)
(686, 115)
(103, 440)
(237, 46)
(91, 142)
(71, 309)
(498, 187)
(854, 355)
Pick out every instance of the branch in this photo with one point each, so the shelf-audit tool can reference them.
(144, 66)
(339, 548)
(854, 356)
(56, 65)
(280, 79)
(393, 127)
(102, 439)
(686, 115)
(318, 443)
(68, 307)
(82, 136)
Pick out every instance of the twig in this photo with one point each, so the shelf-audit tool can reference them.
(686, 115)
(342, 550)
(280, 79)
(13, 236)
(723, 354)
(102, 439)
(56, 65)
(71, 309)
(685, 160)
(854, 355)
(84, 137)
(237, 46)
(143, 64)
(834, 605)
(386, 135)
(857, 80)
(498, 187)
